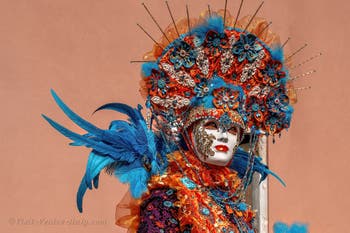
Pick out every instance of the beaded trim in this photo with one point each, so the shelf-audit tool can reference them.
(204, 113)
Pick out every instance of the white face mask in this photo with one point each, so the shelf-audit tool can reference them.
(213, 144)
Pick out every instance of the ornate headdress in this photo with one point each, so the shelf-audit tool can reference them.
(222, 69)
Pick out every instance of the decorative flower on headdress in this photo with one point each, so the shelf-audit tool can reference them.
(158, 83)
(216, 42)
(277, 101)
(246, 47)
(202, 89)
(256, 110)
(274, 123)
(272, 73)
(183, 55)
(226, 98)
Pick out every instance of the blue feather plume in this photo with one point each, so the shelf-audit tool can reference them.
(215, 23)
(148, 67)
(128, 148)
(240, 162)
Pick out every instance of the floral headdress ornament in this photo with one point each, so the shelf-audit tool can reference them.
(219, 66)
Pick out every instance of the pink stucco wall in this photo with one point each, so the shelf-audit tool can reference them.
(82, 49)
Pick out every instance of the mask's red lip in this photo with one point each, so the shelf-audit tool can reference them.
(221, 148)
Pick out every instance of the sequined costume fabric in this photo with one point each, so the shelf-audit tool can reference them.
(186, 202)
(158, 213)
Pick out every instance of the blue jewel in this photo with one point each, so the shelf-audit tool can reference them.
(205, 211)
(188, 183)
(255, 107)
(161, 83)
(168, 203)
(173, 220)
(169, 192)
(216, 42)
(242, 206)
(225, 120)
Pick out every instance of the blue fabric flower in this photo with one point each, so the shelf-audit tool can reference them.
(277, 101)
(277, 121)
(159, 82)
(246, 47)
(256, 110)
(216, 42)
(226, 98)
(183, 55)
(202, 89)
(274, 123)
(272, 73)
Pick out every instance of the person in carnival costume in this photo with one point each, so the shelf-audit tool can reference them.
(208, 83)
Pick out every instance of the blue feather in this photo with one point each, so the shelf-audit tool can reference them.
(240, 162)
(137, 178)
(94, 166)
(80, 194)
(277, 53)
(96, 181)
(119, 125)
(134, 114)
(147, 68)
(99, 146)
(214, 23)
(75, 118)
(121, 149)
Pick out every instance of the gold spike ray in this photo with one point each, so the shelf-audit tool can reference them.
(172, 18)
(255, 13)
(293, 54)
(306, 61)
(238, 13)
(302, 75)
(149, 35)
(155, 21)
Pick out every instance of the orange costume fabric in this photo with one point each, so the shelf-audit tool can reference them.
(196, 206)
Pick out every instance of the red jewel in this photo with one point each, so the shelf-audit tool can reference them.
(222, 148)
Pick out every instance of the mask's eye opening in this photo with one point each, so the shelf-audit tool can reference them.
(233, 130)
(211, 125)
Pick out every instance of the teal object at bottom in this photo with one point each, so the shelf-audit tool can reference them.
(280, 227)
